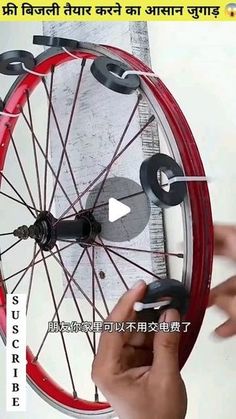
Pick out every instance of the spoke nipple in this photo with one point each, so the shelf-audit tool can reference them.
(151, 119)
(75, 395)
(35, 360)
(140, 96)
(96, 398)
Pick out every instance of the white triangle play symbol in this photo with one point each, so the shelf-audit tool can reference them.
(117, 210)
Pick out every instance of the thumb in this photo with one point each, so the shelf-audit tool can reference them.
(227, 329)
(166, 346)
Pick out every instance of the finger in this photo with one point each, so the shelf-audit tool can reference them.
(110, 344)
(211, 300)
(136, 357)
(166, 345)
(227, 304)
(141, 339)
(138, 372)
(225, 240)
(226, 329)
(225, 288)
(221, 233)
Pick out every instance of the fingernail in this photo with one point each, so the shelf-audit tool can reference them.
(138, 284)
(163, 317)
(169, 315)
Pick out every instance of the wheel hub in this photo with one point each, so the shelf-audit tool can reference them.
(47, 230)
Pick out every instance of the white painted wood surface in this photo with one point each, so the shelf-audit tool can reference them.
(98, 123)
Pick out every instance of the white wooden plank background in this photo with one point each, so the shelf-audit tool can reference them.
(100, 118)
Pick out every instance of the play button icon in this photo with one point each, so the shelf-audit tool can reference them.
(121, 207)
(117, 210)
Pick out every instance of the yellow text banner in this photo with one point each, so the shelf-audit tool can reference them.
(105, 10)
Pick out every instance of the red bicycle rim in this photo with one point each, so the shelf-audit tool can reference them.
(202, 229)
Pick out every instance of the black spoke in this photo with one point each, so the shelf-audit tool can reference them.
(31, 127)
(93, 299)
(154, 252)
(31, 278)
(117, 149)
(60, 137)
(96, 396)
(23, 172)
(104, 204)
(59, 322)
(114, 264)
(98, 282)
(16, 200)
(59, 305)
(132, 263)
(79, 288)
(64, 144)
(6, 234)
(38, 261)
(17, 193)
(67, 241)
(129, 249)
(9, 248)
(47, 138)
(32, 263)
(150, 120)
(69, 280)
(35, 140)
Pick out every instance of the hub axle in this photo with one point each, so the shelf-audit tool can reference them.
(47, 230)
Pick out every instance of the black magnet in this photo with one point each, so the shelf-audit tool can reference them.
(151, 186)
(11, 62)
(162, 289)
(103, 69)
(52, 41)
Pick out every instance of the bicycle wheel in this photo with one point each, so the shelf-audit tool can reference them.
(65, 171)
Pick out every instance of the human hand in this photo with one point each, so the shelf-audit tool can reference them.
(224, 297)
(138, 373)
(225, 241)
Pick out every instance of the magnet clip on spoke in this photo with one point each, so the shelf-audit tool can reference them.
(52, 41)
(152, 187)
(109, 73)
(164, 289)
